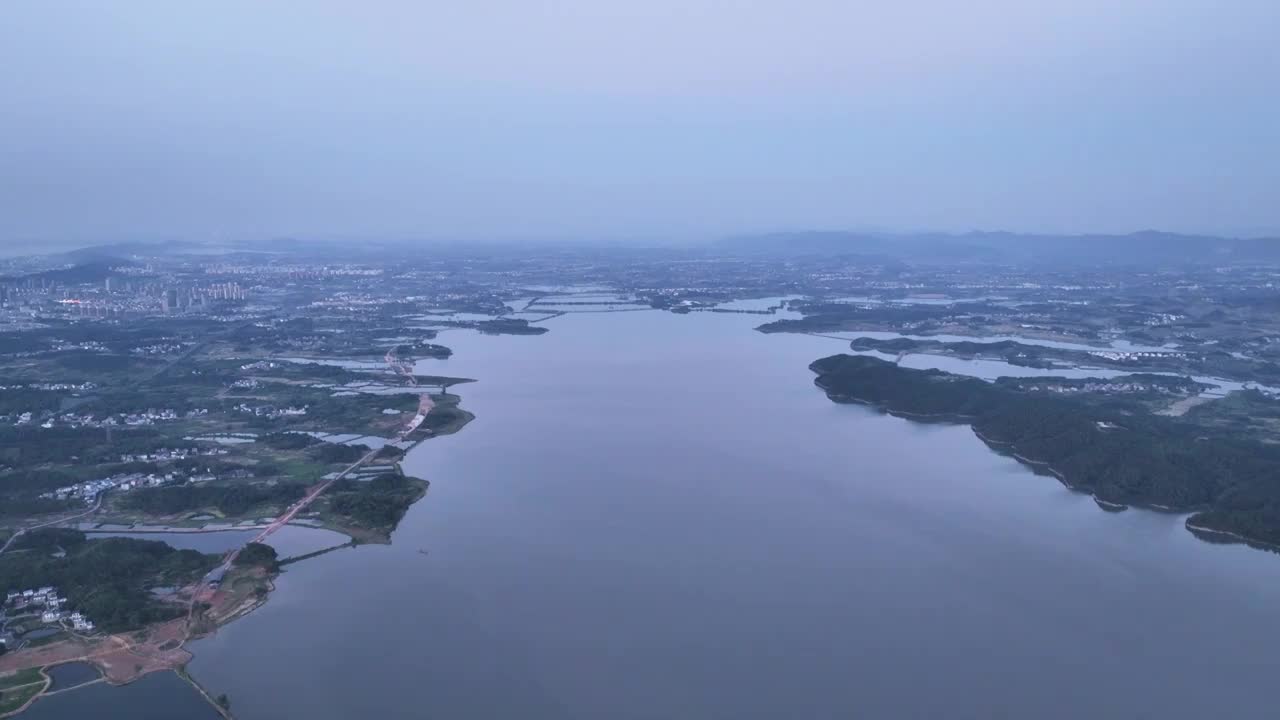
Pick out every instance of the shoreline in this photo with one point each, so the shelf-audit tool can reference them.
(1235, 538)
(48, 683)
(106, 645)
(225, 712)
(1004, 448)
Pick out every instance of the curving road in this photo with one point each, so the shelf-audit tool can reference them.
(96, 504)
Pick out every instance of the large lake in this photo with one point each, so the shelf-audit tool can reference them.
(659, 516)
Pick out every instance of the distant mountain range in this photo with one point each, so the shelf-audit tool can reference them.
(89, 272)
(1140, 248)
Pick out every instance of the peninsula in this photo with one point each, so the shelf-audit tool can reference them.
(1110, 449)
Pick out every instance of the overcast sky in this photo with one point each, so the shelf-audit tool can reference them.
(645, 118)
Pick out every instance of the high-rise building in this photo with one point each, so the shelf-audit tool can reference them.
(170, 300)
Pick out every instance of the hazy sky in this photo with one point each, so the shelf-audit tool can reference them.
(644, 118)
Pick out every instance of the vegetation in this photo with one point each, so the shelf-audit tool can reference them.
(339, 453)
(226, 386)
(509, 326)
(107, 579)
(379, 503)
(20, 505)
(257, 555)
(351, 413)
(236, 499)
(1243, 413)
(1121, 457)
(21, 677)
(446, 417)
(20, 400)
(13, 698)
(49, 539)
(27, 446)
(391, 452)
(288, 440)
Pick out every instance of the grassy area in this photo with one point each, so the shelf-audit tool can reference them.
(1247, 413)
(304, 470)
(22, 677)
(11, 700)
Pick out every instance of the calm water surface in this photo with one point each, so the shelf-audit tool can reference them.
(70, 675)
(159, 696)
(289, 541)
(659, 516)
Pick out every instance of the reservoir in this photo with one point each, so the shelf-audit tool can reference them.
(289, 541)
(659, 516)
(159, 696)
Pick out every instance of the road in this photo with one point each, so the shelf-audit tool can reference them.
(317, 491)
(97, 503)
(202, 590)
(401, 367)
(288, 515)
(139, 382)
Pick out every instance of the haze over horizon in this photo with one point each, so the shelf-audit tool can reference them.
(626, 119)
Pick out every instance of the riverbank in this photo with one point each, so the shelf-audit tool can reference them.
(124, 658)
(18, 691)
(1023, 427)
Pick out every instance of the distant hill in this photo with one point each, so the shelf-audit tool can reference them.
(1140, 248)
(116, 252)
(90, 272)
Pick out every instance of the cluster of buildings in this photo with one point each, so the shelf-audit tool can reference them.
(159, 349)
(270, 411)
(52, 386)
(166, 454)
(1158, 319)
(260, 365)
(1104, 387)
(51, 605)
(223, 291)
(60, 346)
(1135, 356)
(118, 296)
(274, 272)
(201, 298)
(146, 417)
(89, 490)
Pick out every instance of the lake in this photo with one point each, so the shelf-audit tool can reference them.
(659, 516)
(289, 541)
(159, 696)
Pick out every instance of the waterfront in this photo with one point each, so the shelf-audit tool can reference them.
(659, 516)
(289, 541)
(159, 696)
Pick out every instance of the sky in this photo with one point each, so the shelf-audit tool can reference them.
(608, 119)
